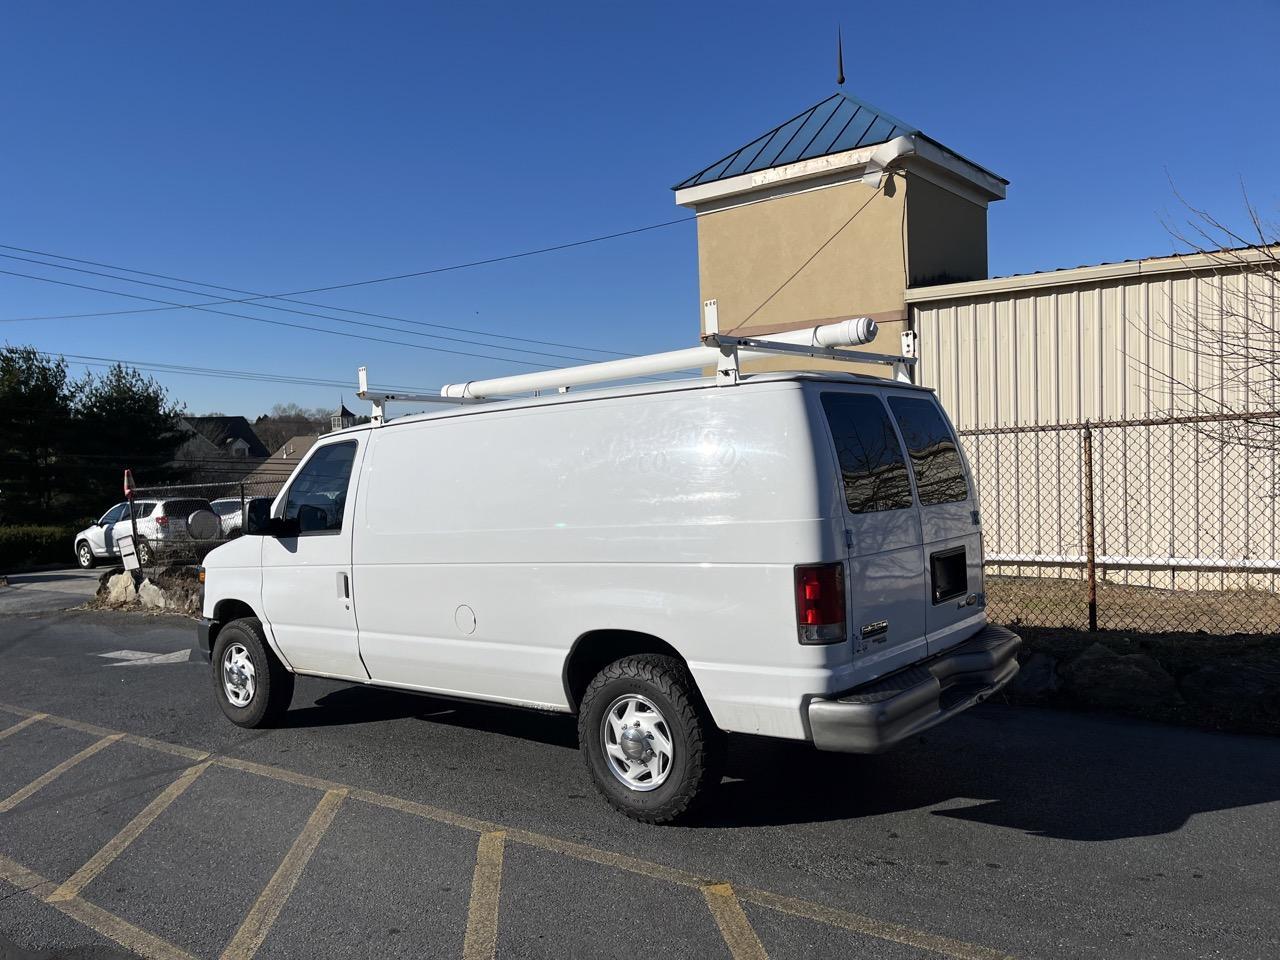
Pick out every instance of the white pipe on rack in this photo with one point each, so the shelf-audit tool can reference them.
(843, 333)
(669, 362)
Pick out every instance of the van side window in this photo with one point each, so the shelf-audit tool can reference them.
(934, 456)
(318, 495)
(871, 461)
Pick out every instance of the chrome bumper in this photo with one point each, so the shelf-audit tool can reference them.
(880, 714)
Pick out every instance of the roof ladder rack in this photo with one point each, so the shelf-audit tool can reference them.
(380, 400)
(719, 350)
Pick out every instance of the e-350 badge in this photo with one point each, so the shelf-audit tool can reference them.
(875, 631)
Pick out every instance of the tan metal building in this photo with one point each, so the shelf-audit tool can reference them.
(844, 210)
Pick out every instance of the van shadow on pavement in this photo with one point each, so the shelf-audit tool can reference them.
(1050, 774)
(1046, 773)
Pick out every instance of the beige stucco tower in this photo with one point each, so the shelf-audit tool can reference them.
(835, 213)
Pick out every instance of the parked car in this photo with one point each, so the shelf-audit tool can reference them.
(230, 512)
(798, 555)
(162, 528)
(97, 542)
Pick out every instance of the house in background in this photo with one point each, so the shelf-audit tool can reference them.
(281, 463)
(219, 447)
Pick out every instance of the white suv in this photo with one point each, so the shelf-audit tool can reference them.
(162, 528)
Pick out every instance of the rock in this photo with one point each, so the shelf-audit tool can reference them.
(1235, 688)
(120, 589)
(1103, 678)
(1036, 678)
(151, 596)
(104, 580)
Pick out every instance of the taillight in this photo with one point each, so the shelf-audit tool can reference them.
(162, 520)
(820, 603)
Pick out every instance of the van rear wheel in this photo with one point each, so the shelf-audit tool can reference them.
(647, 739)
(250, 683)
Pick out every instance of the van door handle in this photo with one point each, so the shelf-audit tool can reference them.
(344, 587)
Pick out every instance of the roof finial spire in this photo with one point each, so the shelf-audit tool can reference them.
(839, 57)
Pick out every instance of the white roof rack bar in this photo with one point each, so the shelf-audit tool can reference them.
(627, 369)
(718, 350)
(380, 400)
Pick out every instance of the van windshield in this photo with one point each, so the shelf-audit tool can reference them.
(935, 458)
(872, 466)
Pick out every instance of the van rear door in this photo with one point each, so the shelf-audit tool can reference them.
(949, 527)
(885, 588)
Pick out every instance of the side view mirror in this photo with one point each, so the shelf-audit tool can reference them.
(282, 528)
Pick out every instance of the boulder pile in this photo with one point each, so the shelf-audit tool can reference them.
(170, 589)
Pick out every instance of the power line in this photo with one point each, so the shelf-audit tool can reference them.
(305, 303)
(278, 323)
(157, 366)
(360, 283)
(304, 313)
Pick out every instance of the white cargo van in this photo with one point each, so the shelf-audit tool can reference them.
(796, 555)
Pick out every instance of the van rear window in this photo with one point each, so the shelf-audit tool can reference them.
(872, 465)
(935, 458)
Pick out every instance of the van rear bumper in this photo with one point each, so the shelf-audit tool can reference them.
(880, 714)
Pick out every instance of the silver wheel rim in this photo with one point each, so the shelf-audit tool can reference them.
(85, 555)
(637, 743)
(238, 678)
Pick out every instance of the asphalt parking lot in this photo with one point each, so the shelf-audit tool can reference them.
(135, 819)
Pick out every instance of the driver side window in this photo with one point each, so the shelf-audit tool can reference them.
(317, 497)
(116, 513)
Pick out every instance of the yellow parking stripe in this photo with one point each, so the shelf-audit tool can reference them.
(97, 731)
(607, 858)
(880, 929)
(481, 941)
(265, 911)
(424, 811)
(734, 926)
(121, 931)
(278, 773)
(28, 881)
(22, 724)
(117, 844)
(95, 918)
(45, 779)
(262, 915)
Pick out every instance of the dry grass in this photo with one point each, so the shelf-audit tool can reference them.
(1049, 602)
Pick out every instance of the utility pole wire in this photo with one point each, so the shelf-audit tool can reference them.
(304, 313)
(278, 323)
(255, 298)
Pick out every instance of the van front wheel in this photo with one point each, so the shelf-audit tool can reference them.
(250, 683)
(648, 741)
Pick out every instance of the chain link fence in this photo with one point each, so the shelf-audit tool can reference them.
(160, 515)
(1151, 525)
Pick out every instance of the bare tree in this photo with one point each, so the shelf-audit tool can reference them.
(1229, 336)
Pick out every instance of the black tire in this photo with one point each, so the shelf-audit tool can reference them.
(697, 743)
(273, 684)
(85, 559)
(145, 556)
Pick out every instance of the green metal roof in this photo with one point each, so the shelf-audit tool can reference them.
(840, 122)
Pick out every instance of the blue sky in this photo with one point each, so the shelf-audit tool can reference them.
(282, 146)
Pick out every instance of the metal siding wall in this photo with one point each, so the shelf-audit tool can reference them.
(1101, 350)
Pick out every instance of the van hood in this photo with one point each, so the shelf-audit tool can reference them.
(244, 551)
